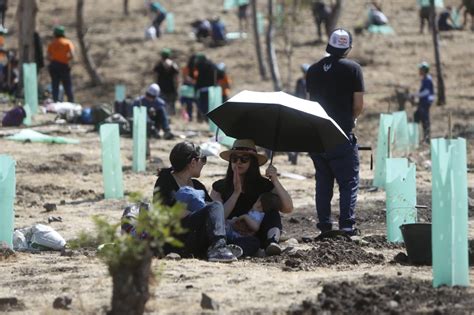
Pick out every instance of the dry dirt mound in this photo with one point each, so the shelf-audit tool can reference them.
(380, 295)
(325, 253)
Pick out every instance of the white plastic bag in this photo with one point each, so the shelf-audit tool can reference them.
(150, 33)
(45, 236)
(19, 241)
(210, 148)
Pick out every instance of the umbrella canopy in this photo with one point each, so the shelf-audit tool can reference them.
(278, 121)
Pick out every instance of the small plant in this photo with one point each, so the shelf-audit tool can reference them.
(129, 257)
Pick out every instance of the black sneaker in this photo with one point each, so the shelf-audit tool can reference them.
(352, 232)
(272, 248)
(220, 254)
(168, 135)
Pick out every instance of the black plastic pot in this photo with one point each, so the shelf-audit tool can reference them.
(417, 238)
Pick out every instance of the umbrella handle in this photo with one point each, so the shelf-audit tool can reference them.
(217, 133)
(271, 157)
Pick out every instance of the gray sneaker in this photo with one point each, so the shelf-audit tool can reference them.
(236, 250)
(220, 254)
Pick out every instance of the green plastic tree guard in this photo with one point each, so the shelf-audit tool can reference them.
(414, 135)
(225, 140)
(401, 141)
(34, 136)
(449, 233)
(139, 138)
(27, 119)
(111, 161)
(30, 83)
(400, 190)
(382, 147)
(229, 4)
(169, 23)
(260, 23)
(120, 92)
(7, 198)
(214, 101)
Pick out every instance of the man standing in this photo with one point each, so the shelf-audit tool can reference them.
(206, 77)
(167, 72)
(60, 54)
(157, 118)
(337, 84)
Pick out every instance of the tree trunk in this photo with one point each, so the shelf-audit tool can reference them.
(439, 70)
(288, 33)
(333, 17)
(125, 7)
(258, 46)
(26, 15)
(88, 63)
(130, 286)
(271, 55)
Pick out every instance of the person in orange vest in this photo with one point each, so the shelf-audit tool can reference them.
(60, 55)
(224, 81)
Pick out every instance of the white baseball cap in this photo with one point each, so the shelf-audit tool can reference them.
(340, 42)
(153, 90)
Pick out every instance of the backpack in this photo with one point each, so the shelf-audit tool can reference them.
(124, 108)
(14, 117)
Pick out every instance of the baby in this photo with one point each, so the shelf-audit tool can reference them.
(194, 199)
(249, 224)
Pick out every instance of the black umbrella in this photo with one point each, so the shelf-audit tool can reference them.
(278, 121)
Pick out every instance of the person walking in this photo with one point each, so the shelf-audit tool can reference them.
(187, 91)
(223, 80)
(3, 10)
(159, 16)
(425, 97)
(167, 73)
(60, 55)
(337, 84)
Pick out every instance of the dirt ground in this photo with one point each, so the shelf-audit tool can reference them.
(310, 277)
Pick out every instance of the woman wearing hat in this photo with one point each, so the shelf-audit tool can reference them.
(205, 227)
(242, 186)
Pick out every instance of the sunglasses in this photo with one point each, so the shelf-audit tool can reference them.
(243, 158)
(202, 158)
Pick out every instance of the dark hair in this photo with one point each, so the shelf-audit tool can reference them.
(182, 154)
(270, 202)
(252, 178)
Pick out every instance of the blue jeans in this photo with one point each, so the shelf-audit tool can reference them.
(422, 114)
(340, 164)
(188, 102)
(159, 118)
(204, 228)
(203, 101)
(61, 73)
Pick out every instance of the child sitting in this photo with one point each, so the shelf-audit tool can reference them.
(249, 224)
(194, 199)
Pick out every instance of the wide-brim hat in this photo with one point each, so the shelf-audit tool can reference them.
(244, 146)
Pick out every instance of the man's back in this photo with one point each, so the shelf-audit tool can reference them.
(207, 74)
(332, 82)
(166, 76)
